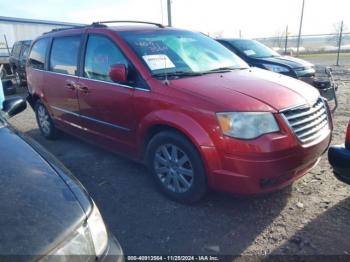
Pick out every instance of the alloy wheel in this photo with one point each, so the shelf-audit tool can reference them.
(44, 121)
(174, 168)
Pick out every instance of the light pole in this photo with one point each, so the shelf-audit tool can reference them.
(286, 41)
(300, 26)
(169, 13)
(339, 41)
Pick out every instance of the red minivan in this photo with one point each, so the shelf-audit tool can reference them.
(180, 102)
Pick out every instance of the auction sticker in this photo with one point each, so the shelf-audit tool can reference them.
(160, 61)
(249, 52)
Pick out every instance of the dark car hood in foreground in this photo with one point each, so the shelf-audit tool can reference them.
(292, 62)
(38, 209)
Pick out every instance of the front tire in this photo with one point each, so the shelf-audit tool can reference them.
(177, 167)
(45, 123)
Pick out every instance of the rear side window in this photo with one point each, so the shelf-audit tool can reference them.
(101, 53)
(64, 55)
(37, 54)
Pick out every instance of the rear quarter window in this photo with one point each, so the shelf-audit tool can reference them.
(38, 53)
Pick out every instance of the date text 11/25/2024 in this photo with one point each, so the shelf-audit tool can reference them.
(172, 258)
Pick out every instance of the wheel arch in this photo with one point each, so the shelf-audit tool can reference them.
(187, 127)
(32, 99)
(179, 122)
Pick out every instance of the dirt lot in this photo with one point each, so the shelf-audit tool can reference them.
(310, 217)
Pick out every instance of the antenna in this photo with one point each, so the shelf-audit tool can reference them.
(166, 81)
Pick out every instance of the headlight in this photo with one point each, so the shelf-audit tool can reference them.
(98, 231)
(247, 125)
(89, 240)
(79, 244)
(276, 68)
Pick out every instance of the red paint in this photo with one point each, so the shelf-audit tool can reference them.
(189, 106)
(347, 139)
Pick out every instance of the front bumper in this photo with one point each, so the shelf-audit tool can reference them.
(306, 75)
(339, 158)
(307, 79)
(273, 162)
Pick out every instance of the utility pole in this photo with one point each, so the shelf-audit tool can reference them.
(169, 13)
(286, 41)
(339, 41)
(300, 27)
(161, 11)
(240, 33)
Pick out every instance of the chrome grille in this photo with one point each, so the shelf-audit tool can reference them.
(308, 123)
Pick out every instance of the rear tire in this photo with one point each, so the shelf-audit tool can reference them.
(177, 167)
(45, 123)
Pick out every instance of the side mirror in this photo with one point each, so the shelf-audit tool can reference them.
(118, 73)
(14, 106)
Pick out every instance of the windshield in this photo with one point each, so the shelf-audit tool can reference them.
(181, 52)
(253, 49)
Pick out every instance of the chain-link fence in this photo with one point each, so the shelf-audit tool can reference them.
(331, 49)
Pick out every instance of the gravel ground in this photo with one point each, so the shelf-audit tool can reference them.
(310, 217)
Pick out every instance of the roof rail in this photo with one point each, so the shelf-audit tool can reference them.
(74, 27)
(128, 21)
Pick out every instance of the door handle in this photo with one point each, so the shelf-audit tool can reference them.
(71, 85)
(83, 89)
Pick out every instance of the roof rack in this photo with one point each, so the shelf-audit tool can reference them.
(102, 24)
(73, 27)
(127, 21)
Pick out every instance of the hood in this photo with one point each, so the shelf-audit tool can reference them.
(249, 90)
(292, 62)
(38, 209)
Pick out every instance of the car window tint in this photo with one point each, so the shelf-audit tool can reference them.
(101, 53)
(64, 55)
(37, 54)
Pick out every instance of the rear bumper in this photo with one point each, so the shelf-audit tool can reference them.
(268, 171)
(339, 158)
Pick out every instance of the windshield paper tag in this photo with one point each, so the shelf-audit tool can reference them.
(156, 62)
(249, 52)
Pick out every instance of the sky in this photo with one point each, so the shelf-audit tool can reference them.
(254, 18)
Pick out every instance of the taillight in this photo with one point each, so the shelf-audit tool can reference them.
(347, 139)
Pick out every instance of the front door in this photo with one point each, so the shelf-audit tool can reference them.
(106, 107)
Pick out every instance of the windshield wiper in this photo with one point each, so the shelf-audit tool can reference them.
(223, 69)
(177, 73)
(269, 56)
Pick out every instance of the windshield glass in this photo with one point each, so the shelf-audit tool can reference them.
(253, 49)
(183, 52)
